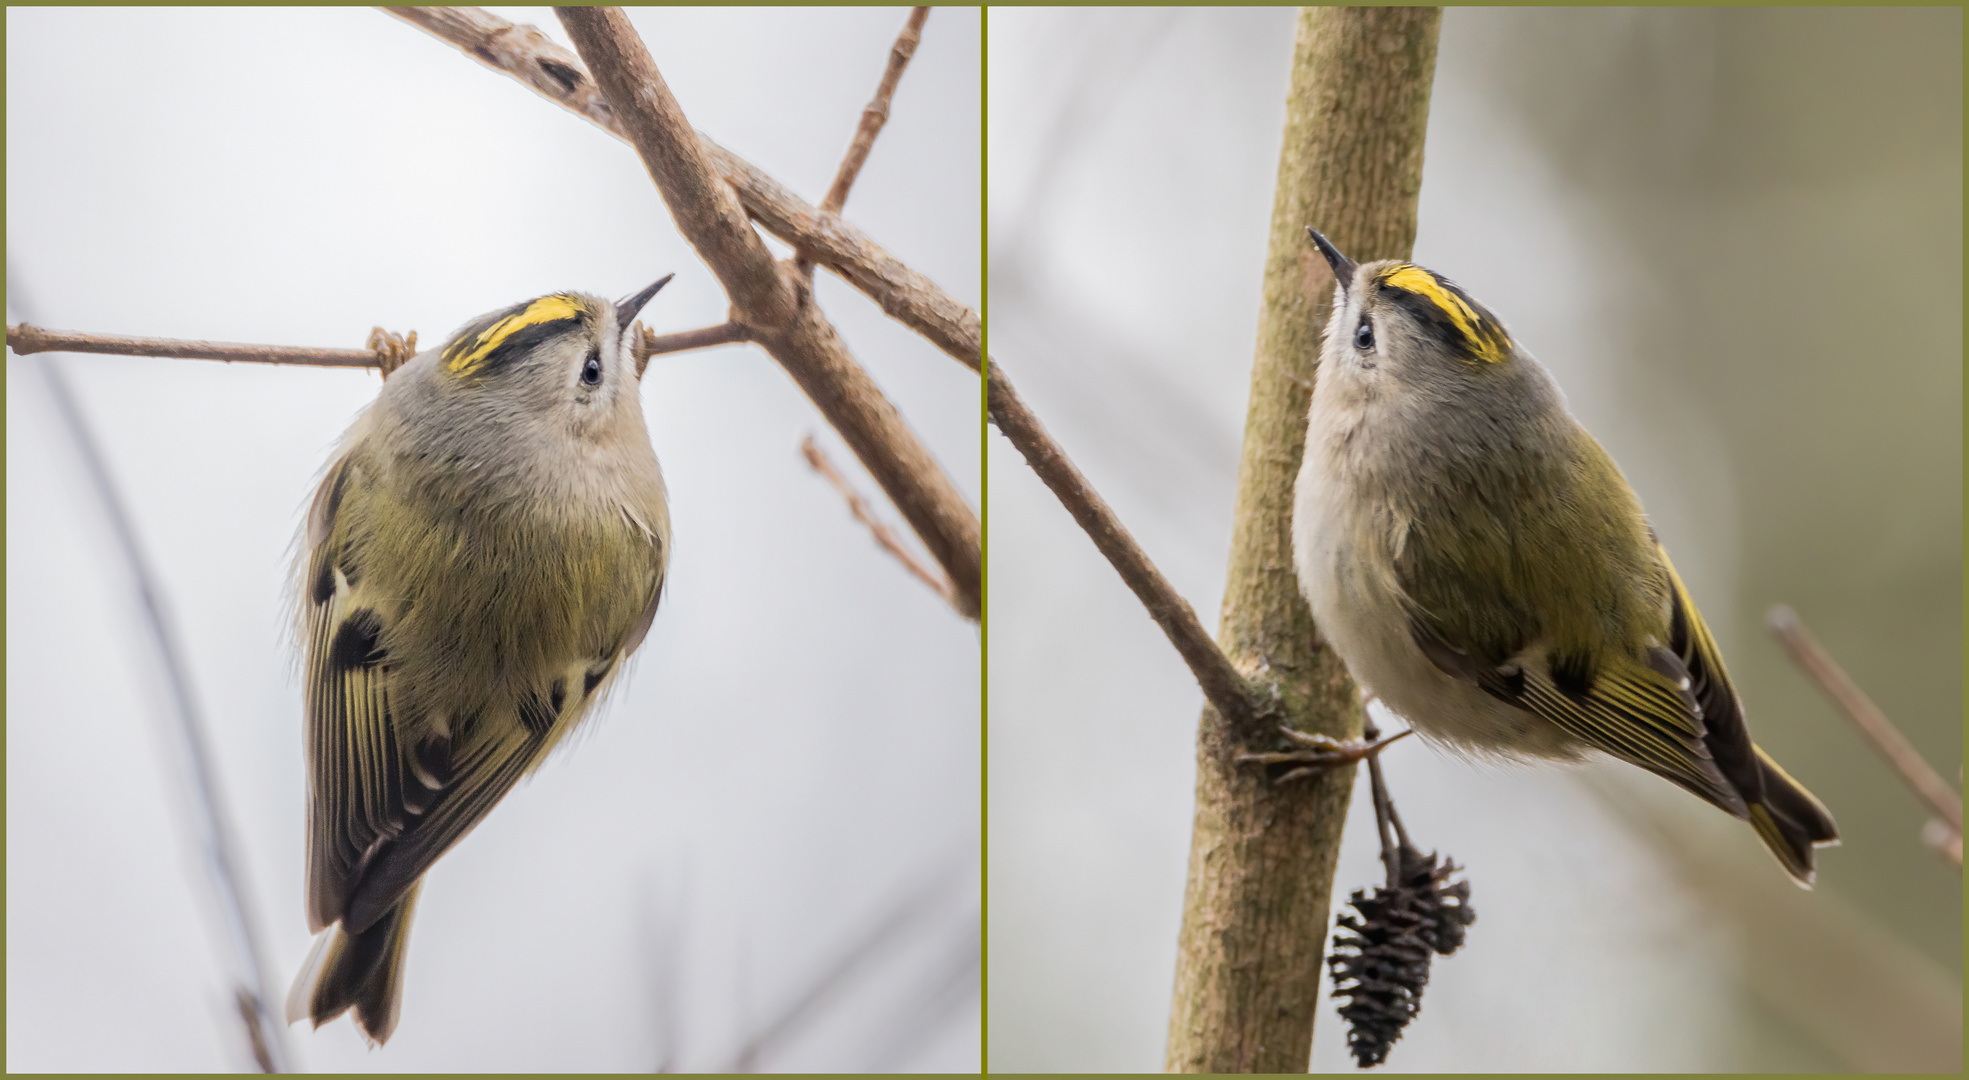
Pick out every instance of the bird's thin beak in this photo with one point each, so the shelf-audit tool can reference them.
(1343, 267)
(626, 310)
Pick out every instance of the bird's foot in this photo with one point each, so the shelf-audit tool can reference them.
(1317, 753)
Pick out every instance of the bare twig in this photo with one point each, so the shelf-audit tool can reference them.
(25, 340)
(876, 113)
(650, 343)
(1832, 680)
(817, 458)
(1222, 684)
(1384, 810)
(524, 53)
(772, 301)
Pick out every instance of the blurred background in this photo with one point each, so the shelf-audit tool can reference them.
(764, 850)
(1735, 237)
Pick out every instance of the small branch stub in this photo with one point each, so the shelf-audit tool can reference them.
(650, 343)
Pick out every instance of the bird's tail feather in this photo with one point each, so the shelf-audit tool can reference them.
(363, 971)
(1790, 821)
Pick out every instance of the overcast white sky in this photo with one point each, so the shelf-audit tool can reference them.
(796, 747)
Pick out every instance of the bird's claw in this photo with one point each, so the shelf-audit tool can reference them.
(1317, 753)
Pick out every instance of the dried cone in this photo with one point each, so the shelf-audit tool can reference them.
(1381, 967)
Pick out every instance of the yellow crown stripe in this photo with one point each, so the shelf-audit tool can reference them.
(462, 358)
(1485, 340)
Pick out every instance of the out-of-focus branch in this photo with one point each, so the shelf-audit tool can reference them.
(884, 536)
(1225, 688)
(1846, 695)
(1855, 992)
(876, 113)
(901, 918)
(26, 340)
(524, 53)
(232, 913)
(1936, 834)
(772, 301)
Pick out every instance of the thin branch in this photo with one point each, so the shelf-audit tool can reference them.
(884, 536)
(1833, 681)
(1384, 810)
(1222, 684)
(876, 113)
(26, 340)
(525, 54)
(772, 301)
(650, 343)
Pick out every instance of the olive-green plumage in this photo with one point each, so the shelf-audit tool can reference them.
(1484, 569)
(486, 549)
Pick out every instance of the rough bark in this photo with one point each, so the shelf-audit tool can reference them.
(1262, 855)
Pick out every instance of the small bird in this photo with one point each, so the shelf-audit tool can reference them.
(485, 550)
(1483, 568)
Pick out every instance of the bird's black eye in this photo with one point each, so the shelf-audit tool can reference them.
(1364, 336)
(591, 372)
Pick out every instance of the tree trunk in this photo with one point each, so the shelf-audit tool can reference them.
(1262, 855)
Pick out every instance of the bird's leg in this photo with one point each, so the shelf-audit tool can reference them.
(1318, 753)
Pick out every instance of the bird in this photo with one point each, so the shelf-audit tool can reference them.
(486, 548)
(1483, 568)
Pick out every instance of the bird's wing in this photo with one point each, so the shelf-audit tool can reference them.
(382, 806)
(355, 772)
(1642, 710)
(460, 779)
(1727, 736)
(476, 782)
(389, 796)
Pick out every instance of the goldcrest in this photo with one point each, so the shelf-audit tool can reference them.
(1483, 568)
(485, 550)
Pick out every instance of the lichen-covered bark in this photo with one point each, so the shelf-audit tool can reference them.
(1262, 855)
